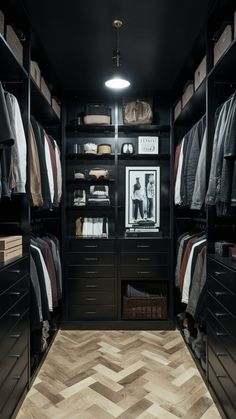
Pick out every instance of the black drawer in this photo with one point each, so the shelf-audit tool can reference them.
(90, 245)
(9, 320)
(90, 271)
(91, 312)
(92, 297)
(13, 294)
(13, 356)
(90, 258)
(90, 284)
(222, 376)
(14, 397)
(14, 377)
(156, 272)
(220, 393)
(14, 335)
(12, 274)
(227, 340)
(144, 245)
(223, 274)
(222, 294)
(147, 259)
(222, 354)
(224, 317)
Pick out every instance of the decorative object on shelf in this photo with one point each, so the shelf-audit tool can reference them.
(137, 112)
(224, 38)
(127, 148)
(90, 148)
(79, 175)
(79, 197)
(97, 114)
(104, 149)
(139, 304)
(99, 195)
(99, 173)
(118, 79)
(78, 226)
(148, 145)
(92, 227)
(142, 196)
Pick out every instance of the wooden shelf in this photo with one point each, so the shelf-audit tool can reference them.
(225, 67)
(194, 109)
(87, 156)
(41, 108)
(10, 68)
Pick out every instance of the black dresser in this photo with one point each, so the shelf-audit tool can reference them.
(14, 335)
(221, 303)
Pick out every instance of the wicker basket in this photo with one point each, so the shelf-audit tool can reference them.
(154, 307)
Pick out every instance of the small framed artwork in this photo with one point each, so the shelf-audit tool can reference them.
(148, 145)
(142, 196)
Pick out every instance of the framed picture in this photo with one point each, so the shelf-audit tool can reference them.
(148, 145)
(142, 196)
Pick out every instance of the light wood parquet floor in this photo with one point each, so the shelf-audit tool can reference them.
(118, 374)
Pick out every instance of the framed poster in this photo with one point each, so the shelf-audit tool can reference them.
(142, 196)
(148, 145)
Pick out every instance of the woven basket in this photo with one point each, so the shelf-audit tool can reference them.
(154, 307)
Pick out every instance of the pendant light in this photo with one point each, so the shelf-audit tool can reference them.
(118, 79)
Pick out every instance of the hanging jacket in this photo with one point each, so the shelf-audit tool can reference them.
(35, 174)
(199, 191)
(6, 134)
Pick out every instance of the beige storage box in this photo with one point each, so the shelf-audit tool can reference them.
(188, 93)
(1, 23)
(14, 252)
(223, 43)
(97, 120)
(45, 90)
(56, 107)
(14, 43)
(9, 242)
(200, 74)
(35, 72)
(178, 109)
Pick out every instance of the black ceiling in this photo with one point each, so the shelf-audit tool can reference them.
(155, 41)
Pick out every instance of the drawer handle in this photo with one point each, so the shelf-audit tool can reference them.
(221, 334)
(221, 314)
(16, 293)
(143, 259)
(90, 312)
(221, 376)
(143, 246)
(90, 258)
(218, 293)
(91, 272)
(16, 377)
(93, 246)
(221, 354)
(143, 272)
(15, 271)
(90, 299)
(220, 273)
(15, 336)
(14, 356)
(14, 314)
(91, 286)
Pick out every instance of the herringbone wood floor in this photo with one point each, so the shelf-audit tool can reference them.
(118, 374)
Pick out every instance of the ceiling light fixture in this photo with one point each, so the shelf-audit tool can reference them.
(118, 79)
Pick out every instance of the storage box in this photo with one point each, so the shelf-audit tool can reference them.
(45, 90)
(178, 109)
(153, 307)
(188, 93)
(14, 43)
(223, 43)
(9, 242)
(56, 107)
(35, 72)
(200, 74)
(6, 255)
(1, 23)
(97, 120)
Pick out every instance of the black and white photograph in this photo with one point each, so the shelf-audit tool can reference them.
(142, 196)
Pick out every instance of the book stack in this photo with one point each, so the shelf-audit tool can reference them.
(143, 228)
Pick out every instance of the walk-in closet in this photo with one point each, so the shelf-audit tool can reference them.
(117, 209)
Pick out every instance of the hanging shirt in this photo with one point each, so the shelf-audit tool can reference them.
(178, 199)
(49, 167)
(46, 278)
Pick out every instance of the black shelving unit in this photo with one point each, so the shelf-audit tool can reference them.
(41, 107)
(10, 68)
(88, 156)
(194, 109)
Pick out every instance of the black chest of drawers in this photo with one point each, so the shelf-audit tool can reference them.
(14, 335)
(221, 339)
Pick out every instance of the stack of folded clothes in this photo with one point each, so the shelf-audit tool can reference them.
(99, 195)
